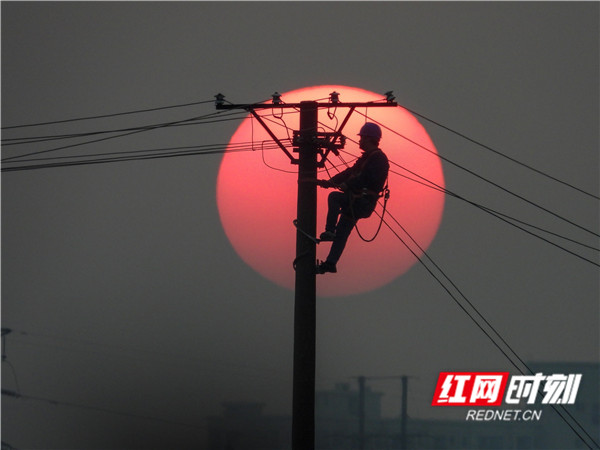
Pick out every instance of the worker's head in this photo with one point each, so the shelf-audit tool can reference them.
(370, 134)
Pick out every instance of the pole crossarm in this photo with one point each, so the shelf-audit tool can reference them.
(251, 106)
(329, 141)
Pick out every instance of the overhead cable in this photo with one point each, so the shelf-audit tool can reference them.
(54, 402)
(497, 214)
(107, 115)
(217, 116)
(135, 131)
(171, 153)
(499, 153)
(486, 322)
(520, 197)
(504, 217)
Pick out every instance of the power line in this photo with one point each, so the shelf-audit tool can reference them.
(206, 119)
(231, 147)
(196, 151)
(98, 409)
(520, 197)
(135, 131)
(501, 216)
(485, 321)
(219, 116)
(514, 160)
(169, 154)
(38, 139)
(209, 149)
(107, 115)
(495, 212)
(489, 210)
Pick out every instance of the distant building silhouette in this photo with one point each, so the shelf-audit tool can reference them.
(337, 418)
(243, 426)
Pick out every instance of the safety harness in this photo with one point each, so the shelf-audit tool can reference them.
(385, 193)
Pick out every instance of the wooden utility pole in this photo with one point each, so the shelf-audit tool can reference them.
(361, 412)
(404, 413)
(303, 423)
(362, 439)
(310, 145)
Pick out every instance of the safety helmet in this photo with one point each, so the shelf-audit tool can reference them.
(370, 129)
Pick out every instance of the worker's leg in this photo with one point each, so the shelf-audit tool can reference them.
(343, 230)
(336, 202)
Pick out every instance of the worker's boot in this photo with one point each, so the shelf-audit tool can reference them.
(327, 236)
(325, 267)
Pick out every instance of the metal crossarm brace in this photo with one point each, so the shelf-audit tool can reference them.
(345, 121)
(277, 141)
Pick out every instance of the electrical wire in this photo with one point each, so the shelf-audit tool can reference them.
(477, 323)
(98, 409)
(499, 153)
(87, 159)
(142, 157)
(37, 139)
(504, 217)
(135, 131)
(34, 139)
(262, 150)
(498, 215)
(222, 116)
(490, 210)
(520, 197)
(476, 310)
(107, 115)
(14, 372)
(231, 147)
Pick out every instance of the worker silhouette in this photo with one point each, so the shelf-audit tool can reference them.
(360, 187)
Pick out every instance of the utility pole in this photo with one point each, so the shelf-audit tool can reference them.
(309, 144)
(362, 409)
(403, 413)
(361, 413)
(303, 423)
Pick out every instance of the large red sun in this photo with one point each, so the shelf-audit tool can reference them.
(257, 194)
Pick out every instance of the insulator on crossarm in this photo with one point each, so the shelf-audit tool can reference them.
(219, 99)
(334, 97)
(277, 98)
(389, 96)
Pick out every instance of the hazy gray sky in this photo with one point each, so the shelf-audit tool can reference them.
(120, 285)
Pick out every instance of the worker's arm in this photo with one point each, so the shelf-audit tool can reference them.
(331, 184)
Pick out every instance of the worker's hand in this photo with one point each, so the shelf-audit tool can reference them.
(325, 183)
